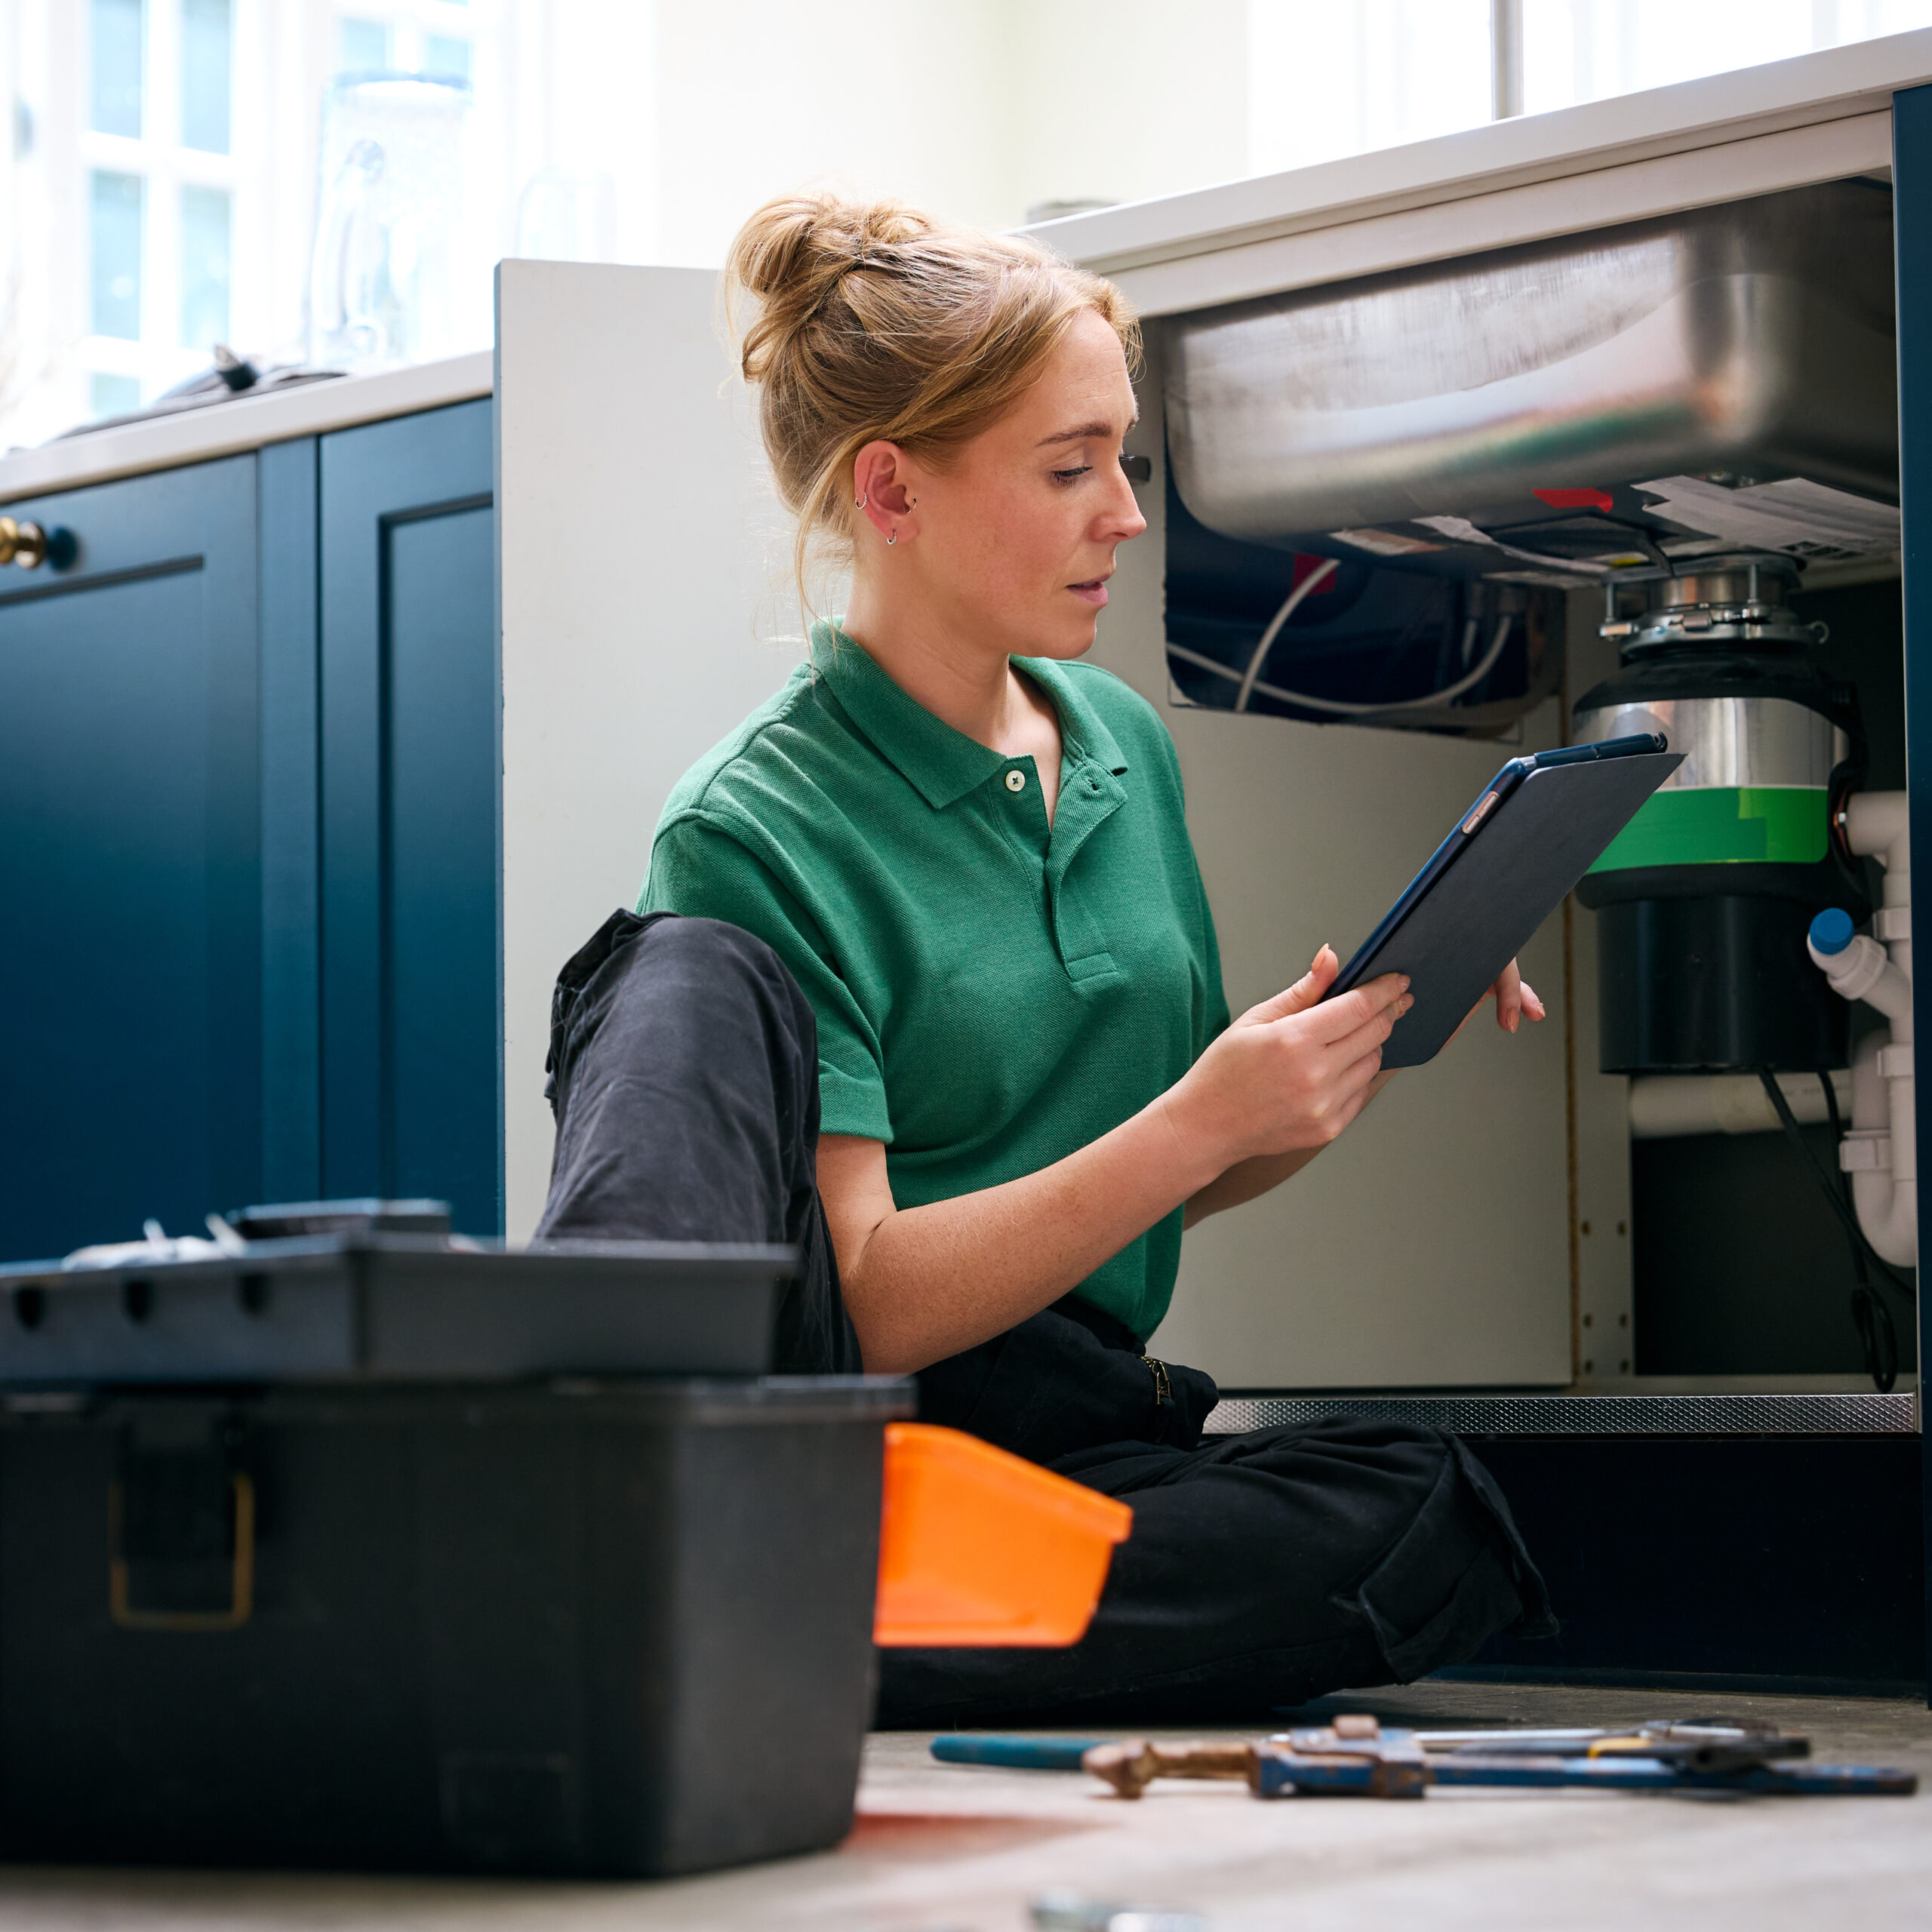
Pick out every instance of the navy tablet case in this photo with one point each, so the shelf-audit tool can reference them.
(1504, 883)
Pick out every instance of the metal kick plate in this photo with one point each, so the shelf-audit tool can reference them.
(1873, 1414)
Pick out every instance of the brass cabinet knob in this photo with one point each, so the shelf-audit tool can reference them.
(22, 544)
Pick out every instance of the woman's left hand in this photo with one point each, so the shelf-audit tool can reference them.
(1514, 997)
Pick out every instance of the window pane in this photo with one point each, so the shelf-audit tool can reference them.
(115, 66)
(204, 31)
(1588, 50)
(1323, 81)
(115, 246)
(204, 267)
(113, 396)
(445, 53)
(364, 46)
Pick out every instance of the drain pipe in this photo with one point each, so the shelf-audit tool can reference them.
(1665, 1106)
(1881, 1152)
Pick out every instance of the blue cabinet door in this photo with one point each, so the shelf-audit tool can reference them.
(410, 967)
(130, 865)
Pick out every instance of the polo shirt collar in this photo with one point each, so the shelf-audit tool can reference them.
(940, 763)
(1080, 725)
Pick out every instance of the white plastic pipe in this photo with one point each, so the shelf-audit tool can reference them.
(1880, 1153)
(1663, 1105)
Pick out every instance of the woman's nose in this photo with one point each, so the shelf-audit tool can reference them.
(1124, 520)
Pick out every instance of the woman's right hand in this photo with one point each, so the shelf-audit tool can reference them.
(1291, 1073)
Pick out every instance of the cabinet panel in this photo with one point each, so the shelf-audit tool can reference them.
(292, 909)
(410, 977)
(442, 861)
(130, 865)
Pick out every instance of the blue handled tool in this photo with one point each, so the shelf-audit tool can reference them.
(1013, 1754)
(1282, 1773)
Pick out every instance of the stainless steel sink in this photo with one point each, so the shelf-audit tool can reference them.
(1756, 337)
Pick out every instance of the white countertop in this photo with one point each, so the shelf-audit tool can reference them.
(224, 429)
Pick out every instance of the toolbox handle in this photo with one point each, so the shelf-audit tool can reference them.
(241, 1573)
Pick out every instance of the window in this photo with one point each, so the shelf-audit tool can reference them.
(1329, 81)
(204, 74)
(406, 36)
(115, 29)
(157, 179)
(113, 395)
(115, 236)
(1587, 49)
(204, 267)
(364, 47)
(445, 53)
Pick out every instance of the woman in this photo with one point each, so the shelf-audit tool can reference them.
(941, 1002)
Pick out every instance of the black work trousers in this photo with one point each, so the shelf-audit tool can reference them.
(1262, 1569)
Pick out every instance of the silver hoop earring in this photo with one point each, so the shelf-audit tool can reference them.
(858, 503)
(893, 538)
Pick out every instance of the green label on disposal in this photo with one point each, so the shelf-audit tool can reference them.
(1723, 825)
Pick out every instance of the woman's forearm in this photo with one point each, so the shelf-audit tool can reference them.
(923, 1283)
(1247, 1180)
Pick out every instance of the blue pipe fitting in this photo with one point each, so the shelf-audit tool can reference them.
(1831, 930)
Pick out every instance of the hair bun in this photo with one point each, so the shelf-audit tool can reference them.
(790, 252)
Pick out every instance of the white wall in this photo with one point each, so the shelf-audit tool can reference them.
(638, 537)
(903, 100)
(1122, 100)
(974, 111)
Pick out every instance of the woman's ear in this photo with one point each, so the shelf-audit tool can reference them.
(879, 491)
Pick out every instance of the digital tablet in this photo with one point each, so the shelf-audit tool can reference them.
(1537, 826)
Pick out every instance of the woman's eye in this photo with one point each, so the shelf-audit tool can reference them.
(1071, 475)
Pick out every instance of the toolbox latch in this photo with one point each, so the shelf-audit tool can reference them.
(180, 1538)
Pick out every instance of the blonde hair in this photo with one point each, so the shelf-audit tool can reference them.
(875, 323)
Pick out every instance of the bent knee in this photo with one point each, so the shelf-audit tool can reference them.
(712, 947)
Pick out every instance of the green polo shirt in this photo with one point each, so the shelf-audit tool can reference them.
(991, 996)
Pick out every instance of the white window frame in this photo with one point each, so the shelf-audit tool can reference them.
(158, 358)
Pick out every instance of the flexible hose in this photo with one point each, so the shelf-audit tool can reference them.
(1251, 684)
(1311, 583)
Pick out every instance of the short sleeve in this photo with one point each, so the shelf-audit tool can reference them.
(699, 870)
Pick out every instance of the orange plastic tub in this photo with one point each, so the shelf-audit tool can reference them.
(978, 1547)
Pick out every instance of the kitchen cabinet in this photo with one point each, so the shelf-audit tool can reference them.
(130, 865)
(249, 871)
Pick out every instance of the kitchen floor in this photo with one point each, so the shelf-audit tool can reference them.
(948, 1848)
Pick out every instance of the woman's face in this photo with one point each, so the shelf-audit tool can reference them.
(1013, 540)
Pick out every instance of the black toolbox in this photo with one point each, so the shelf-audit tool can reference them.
(562, 1618)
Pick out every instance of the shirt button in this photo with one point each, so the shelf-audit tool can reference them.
(1015, 781)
